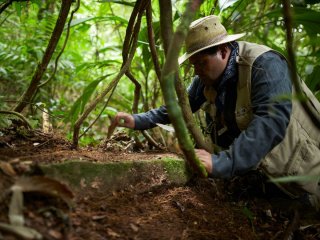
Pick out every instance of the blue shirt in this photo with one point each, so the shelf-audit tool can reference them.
(270, 88)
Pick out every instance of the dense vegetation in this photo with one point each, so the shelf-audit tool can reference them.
(90, 54)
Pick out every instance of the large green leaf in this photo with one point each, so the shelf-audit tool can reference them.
(80, 103)
(306, 17)
(312, 1)
(313, 80)
(97, 64)
(223, 4)
(113, 18)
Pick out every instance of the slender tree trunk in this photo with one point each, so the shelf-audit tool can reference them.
(169, 73)
(166, 33)
(166, 25)
(41, 68)
(202, 142)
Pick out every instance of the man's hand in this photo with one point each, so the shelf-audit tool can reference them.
(124, 120)
(205, 158)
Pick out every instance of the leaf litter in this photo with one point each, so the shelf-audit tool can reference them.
(201, 209)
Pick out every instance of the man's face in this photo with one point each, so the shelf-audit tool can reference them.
(209, 67)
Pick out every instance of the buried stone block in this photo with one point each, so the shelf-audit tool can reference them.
(118, 175)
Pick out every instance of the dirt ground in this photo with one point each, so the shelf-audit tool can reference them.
(240, 208)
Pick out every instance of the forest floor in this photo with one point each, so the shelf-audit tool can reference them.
(241, 208)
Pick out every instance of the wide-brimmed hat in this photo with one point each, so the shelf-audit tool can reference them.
(204, 33)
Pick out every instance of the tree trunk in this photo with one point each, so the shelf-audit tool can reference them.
(169, 72)
(56, 34)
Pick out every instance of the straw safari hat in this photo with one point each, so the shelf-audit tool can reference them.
(204, 33)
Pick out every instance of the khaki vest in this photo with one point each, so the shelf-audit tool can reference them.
(299, 152)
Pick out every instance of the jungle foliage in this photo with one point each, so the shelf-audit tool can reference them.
(97, 38)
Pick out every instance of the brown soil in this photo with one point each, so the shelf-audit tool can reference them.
(202, 209)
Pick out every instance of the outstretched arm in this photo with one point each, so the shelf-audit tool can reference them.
(149, 119)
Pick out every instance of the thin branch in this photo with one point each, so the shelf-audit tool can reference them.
(97, 118)
(135, 109)
(152, 44)
(19, 115)
(137, 90)
(151, 140)
(202, 142)
(5, 5)
(130, 27)
(36, 106)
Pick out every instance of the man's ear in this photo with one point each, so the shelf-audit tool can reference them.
(223, 48)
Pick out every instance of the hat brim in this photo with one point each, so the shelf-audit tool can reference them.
(228, 38)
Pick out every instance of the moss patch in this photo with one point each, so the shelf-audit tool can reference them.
(117, 175)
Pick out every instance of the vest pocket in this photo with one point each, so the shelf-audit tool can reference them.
(243, 117)
(304, 161)
(296, 155)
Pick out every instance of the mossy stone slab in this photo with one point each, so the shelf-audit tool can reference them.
(118, 175)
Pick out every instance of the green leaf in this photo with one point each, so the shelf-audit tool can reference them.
(18, 8)
(312, 80)
(312, 1)
(248, 213)
(87, 92)
(305, 178)
(309, 18)
(78, 21)
(80, 103)
(126, 3)
(38, 2)
(97, 64)
(110, 111)
(223, 4)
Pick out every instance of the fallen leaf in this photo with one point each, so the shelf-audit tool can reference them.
(166, 127)
(96, 218)
(7, 169)
(45, 185)
(20, 231)
(96, 183)
(55, 234)
(83, 183)
(134, 227)
(179, 205)
(112, 233)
